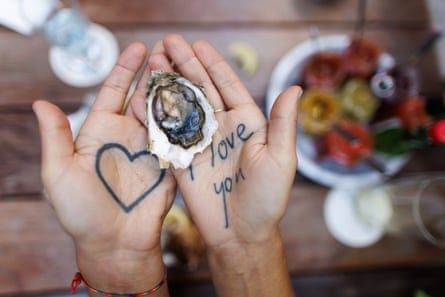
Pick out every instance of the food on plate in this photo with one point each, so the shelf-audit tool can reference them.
(245, 56)
(181, 237)
(344, 150)
(324, 70)
(361, 57)
(407, 81)
(392, 139)
(383, 85)
(397, 83)
(180, 120)
(318, 111)
(436, 132)
(357, 100)
(412, 112)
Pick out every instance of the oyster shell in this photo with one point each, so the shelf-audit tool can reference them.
(180, 120)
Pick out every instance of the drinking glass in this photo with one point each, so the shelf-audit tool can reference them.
(81, 53)
(410, 207)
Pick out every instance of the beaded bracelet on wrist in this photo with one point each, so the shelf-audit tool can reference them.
(78, 279)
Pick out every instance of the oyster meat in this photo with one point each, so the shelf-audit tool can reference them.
(180, 120)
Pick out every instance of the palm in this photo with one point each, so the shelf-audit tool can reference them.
(106, 189)
(103, 189)
(220, 180)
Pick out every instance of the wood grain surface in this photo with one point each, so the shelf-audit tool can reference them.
(37, 257)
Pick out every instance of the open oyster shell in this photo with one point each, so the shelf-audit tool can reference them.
(180, 120)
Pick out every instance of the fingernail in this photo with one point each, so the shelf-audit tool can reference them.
(299, 92)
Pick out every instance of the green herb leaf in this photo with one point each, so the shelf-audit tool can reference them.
(421, 293)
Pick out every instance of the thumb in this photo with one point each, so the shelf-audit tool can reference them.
(56, 138)
(281, 135)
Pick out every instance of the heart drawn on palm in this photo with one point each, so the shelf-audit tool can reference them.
(132, 158)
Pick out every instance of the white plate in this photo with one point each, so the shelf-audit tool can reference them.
(76, 74)
(343, 222)
(325, 172)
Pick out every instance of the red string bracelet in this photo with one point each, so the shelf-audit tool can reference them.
(78, 279)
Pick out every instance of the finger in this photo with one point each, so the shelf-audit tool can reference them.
(227, 82)
(136, 106)
(184, 58)
(281, 135)
(157, 61)
(56, 138)
(158, 48)
(112, 96)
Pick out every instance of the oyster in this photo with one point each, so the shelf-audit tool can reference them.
(180, 120)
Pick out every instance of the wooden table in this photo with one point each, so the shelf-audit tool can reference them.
(36, 257)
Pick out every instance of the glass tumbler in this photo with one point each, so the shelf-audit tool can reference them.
(410, 207)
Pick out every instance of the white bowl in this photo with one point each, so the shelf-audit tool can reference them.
(326, 172)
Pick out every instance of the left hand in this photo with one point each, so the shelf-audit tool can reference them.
(238, 188)
(242, 181)
(107, 191)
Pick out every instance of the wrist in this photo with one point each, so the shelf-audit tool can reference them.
(236, 253)
(124, 272)
(250, 269)
(159, 289)
(245, 241)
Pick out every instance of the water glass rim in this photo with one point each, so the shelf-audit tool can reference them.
(440, 242)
